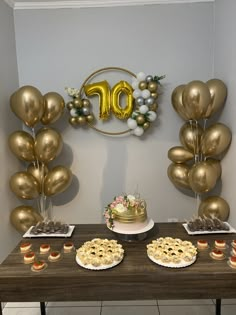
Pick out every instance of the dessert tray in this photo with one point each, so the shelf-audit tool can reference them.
(148, 227)
(102, 267)
(230, 230)
(28, 234)
(181, 264)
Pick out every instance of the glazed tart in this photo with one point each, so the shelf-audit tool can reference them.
(68, 247)
(25, 247)
(44, 248)
(38, 265)
(220, 244)
(54, 256)
(29, 258)
(202, 244)
(217, 254)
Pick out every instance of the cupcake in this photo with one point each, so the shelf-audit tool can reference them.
(29, 258)
(25, 247)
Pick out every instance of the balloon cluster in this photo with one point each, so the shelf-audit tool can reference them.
(80, 109)
(196, 164)
(37, 181)
(145, 95)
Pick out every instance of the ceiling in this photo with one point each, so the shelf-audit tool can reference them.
(59, 4)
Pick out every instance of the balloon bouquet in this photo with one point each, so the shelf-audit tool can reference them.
(196, 164)
(37, 149)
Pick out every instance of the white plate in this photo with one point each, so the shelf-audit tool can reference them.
(68, 234)
(231, 230)
(182, 264)
(148, 227)
(91, 267)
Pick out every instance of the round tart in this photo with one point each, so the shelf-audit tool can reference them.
(38, 265)
(29, 258)
(217, 254)
(44, 248)
(54, 256)
(220, 244)
(68, 247)
(25, 247)
(202, 244)
(232, 261)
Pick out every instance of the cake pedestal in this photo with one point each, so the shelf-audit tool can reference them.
(135, 235)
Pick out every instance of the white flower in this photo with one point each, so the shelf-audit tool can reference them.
(131, 198)
(120, 208)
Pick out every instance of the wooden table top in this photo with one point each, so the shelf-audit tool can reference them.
(136, 277)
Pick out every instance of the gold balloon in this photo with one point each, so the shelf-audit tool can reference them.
(217, 166)
(39, 171)
(78, 103)
(190, 136)
(23, 217)
(69, 105)
(216, 139)
(178, 174)
(214, 206)
(218, 91)
(54, 107)
(142, 85)
(152, 86)
(140, 119)
(90, 118)
(73, 121)
(81, 120)
(122, 87)
(24, 185)
(57, 180)
(48, 144)
(196, 99)
(146, 125)
(27, 104)
(202, 177)
(180, 155)
(101, 89)
(21, 144)
(176, 99)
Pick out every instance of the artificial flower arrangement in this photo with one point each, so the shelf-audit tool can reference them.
(126, 204)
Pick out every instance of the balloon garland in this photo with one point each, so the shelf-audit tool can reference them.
(196, 164)
(38, 149)
(141, 102)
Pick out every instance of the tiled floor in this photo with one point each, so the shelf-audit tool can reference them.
(150, 307)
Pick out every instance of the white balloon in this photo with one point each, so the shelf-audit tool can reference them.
(143, 109)
(135, 84)
(132, 124)
(138, 131)
(73, 112)
(141, 76)
(137, 93)
(151, 116)
(146, 93)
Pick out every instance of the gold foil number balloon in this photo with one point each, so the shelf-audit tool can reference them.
(39, 171)
(215, 139)
(178, 174)
(190, 136)
(180, 155)
(22, 145)
(102, 89)
(57, 180)
(214, 206)
(27, 104)
(196, 99)
(176, 99)
(48, 144)
(117, 90)
(23, 217)
(218, 93)
(202, 177)
(54, 107)
(24, 185)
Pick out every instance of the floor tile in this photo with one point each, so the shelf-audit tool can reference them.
(73, 311)
(187, 310)
(228, 309)
(129, 310)
(22, 304)
(74, 303)
(185, 302)
(21, 311)
(139, 302)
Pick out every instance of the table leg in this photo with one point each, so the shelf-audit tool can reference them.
(218, 306)
(42, 308)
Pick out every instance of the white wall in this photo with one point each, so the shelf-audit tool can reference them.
(62, 47)
(8, 163)
(224, 68)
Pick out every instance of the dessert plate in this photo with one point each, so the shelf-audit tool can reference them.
(68, 234)
(181, 264)
(231, 230)
(102, 267)
(148, 227)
